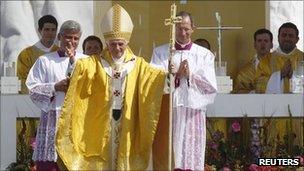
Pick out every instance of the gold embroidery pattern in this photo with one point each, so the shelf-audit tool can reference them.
(117, 35)
(116, 18)
(115, 129)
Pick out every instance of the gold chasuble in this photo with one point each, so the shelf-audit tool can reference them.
(26, 60)
(274, 62)
(245, 79)
(84, 130)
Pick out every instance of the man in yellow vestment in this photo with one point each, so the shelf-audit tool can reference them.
(111, 110)
(245, 78)
(47, 27)
(275, 69)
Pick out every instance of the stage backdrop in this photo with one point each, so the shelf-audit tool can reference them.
(285, 11)
(19, 22)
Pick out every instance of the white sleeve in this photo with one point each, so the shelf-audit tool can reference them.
(208, 70)
(156, 60)
(203, 82)
(200, 90)
(41, 92)
(275, 84)
(158, 63)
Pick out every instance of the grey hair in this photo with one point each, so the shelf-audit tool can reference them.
(70, 25)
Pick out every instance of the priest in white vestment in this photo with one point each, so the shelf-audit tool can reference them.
(195, 88)
(48, 80)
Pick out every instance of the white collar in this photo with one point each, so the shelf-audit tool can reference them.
(40, 46)
(256, 61)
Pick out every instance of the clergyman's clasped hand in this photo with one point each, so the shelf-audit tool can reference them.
(183, 70)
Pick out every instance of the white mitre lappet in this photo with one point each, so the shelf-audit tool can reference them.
(117, 24)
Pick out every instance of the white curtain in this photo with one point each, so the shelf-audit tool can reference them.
(285, 11)
(19, 22)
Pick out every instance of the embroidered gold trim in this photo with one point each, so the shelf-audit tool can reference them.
(116, 18)
(117, 35)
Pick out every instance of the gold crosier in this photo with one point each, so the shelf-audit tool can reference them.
(171, 22)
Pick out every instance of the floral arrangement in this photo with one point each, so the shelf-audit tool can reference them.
(25, 145)
(226, 153)
(247, 140)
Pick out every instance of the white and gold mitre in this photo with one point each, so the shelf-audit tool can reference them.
(117, 24)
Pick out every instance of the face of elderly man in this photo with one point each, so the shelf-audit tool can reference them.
(117, 47)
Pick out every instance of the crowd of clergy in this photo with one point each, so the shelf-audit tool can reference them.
(104, 109)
